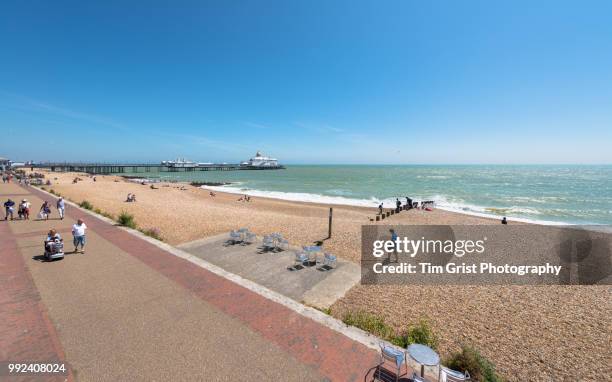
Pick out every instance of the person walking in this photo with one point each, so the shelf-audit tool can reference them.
(24, 209)
(394, 239)
(45, 210)
(9, 209)
(61, 207)
(78, 234)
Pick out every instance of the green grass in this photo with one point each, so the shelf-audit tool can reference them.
(370, 323)
(420, 333)
(152, 232)
(127, 220)
(85, 204)
(108, 215)
(470, 359)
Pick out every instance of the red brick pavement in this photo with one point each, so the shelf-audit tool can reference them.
(26, 333)
(334, 355)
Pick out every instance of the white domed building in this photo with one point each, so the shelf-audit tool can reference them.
(261, 161)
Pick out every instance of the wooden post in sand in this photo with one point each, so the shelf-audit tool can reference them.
(377, 217)
(329, 229)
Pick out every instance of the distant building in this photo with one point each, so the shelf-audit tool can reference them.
(5, 164)
(260, 161)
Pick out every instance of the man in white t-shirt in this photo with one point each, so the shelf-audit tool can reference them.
(78, 232)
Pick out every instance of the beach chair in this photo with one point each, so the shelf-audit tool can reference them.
(234, 237)
(391, 361)
(300, 259)
(283, 244)
(449, 375)
(313, 257)
(329, 260)
(249, 238)
(268, 243)
(312, 252)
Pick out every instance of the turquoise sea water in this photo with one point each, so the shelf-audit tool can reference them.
(580, 194)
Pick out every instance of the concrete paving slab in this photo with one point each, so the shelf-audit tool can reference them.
(309, 285)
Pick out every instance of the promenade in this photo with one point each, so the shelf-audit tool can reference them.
(128, 310)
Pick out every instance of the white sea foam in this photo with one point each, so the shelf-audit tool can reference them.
(298, 196)
(441, 202)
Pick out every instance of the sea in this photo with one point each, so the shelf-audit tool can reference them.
(547, 194)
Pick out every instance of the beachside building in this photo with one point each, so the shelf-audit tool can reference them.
(5, 164)
(260, 161)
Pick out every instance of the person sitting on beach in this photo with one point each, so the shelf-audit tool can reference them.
(51, 238)
(212, 194)
(129, 197)
(153, 187)
(504, 220)
(241, 199)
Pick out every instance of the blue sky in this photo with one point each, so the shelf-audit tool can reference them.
(307, 81)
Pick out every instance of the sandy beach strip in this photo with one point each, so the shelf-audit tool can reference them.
(544, 333)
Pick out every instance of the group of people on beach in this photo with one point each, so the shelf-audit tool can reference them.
(244, 198)
(398, 205)
(23, 209)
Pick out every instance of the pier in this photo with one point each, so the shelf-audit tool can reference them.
(113, 168)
